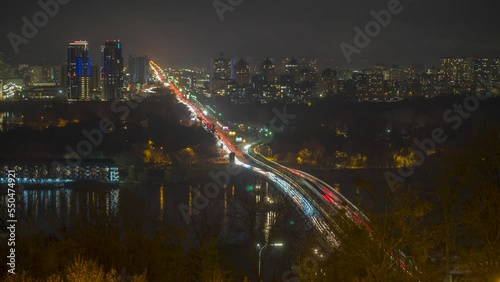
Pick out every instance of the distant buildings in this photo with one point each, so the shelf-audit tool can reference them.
(495, 71)
(299, 81)
(138, 68)
(481, 75)
(222, 72)
(328, 83)
(79, 70)
(287, 80)
(462, 75)
(268, 71)
(308, 63)
(292, 69)
(2, 69)
(242, 73)
(48, 75)
(456, 74)
(2, 64)
(375, 84)
(95, 80)
(112, 70)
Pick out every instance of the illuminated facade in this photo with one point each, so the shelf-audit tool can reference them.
(79, 70)
(111, 70)
(46, 173)
(222, 72)
(456, 75)
(45, 75)
(481, 75)
(495, 73)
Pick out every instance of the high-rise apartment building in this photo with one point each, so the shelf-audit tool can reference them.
(292, 69)
(495, 73)
(242, 72)
(268, 71)
(111, 70)
(2, 64)
(138, 68)
(328, 82)
(222, 72)
(456, 75)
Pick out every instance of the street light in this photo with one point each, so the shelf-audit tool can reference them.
(262, 248)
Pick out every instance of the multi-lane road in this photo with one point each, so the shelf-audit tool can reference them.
(319, 202)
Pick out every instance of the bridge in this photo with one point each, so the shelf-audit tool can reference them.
(317, 200)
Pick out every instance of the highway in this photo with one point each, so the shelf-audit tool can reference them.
(318, 201)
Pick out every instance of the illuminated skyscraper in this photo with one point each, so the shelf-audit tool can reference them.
(79, 70)
(111, 70)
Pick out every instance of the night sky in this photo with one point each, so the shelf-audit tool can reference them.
(189, 32)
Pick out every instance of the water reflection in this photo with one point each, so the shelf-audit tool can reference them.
(148, 204)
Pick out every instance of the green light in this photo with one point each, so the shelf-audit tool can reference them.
(250, 188)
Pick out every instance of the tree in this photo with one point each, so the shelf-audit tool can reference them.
(480, 255)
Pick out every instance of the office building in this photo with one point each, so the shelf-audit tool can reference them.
(79, 70)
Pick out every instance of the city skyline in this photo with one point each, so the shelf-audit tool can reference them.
(238, 140)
